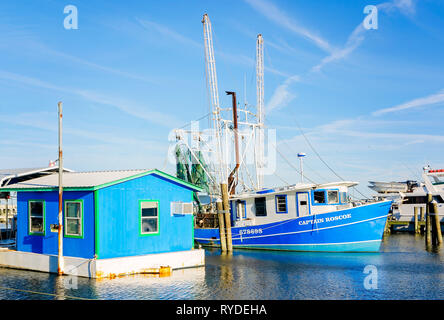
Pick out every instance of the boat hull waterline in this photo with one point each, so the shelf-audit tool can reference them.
(357, 229)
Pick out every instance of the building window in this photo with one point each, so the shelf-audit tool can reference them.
(281, 204)
(261, 208)
(149, 217)
(73, 218)
(333, 196)
(36, 217)
(319, 197)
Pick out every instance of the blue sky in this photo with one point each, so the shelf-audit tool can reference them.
(371, 102)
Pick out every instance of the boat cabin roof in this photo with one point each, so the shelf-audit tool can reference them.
(295, 187)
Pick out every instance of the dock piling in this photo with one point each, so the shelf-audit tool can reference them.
(428, 236)
(387, 226)
(438, 234)
(415, 212)
(226, 206)
(220, 216)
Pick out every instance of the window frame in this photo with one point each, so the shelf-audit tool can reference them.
(31, 233)
(276, 203)
(241, 215)
(337, 196)
(65, 217)
(313, 198)
(146, 234)
(265, 207)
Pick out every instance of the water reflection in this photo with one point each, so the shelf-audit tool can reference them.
(405, 270)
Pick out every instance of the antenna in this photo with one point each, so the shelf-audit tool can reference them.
(301, 155)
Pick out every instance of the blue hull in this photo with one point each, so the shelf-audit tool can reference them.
(358, 229)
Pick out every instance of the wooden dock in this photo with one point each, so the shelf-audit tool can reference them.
(427, 223)
(393, 226)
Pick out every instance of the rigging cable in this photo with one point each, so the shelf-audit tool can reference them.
(197, 120)
(320, 158)
(291, 165)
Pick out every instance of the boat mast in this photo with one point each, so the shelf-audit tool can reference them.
(221, 170)
(260, 111)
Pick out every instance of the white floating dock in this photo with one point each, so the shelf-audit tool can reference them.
(103, 268)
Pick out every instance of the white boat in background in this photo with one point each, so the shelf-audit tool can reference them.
(414, 194)
(388, 187)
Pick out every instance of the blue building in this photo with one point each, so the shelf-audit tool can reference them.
(106, 214)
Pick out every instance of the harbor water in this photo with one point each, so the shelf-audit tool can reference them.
(403, 269)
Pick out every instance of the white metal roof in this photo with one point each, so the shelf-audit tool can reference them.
(88, 180)
(9, 174)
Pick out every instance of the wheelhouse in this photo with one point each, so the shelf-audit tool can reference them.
(271, 205)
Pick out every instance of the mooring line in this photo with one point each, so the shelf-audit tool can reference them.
(44, 293)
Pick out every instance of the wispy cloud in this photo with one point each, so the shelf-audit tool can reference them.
(273, 13)
(42, 121)
(434, 99)
(282, 95)
(353, 41)
(131, 108)
(25, 41)
(367, 131)
(358, 35)
(279, 44)
(168, 32)
(99, 67)
(140, 111)
(239, 59)
(406, 7)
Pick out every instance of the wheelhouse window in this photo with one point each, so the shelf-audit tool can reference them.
(36, 217)
(73, 218)
(261, 209)
(149, 217)
(333, 196)
(319, 197)
(343, 197)
(281, 203)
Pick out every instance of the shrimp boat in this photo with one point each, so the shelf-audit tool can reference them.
(297, 217)
(303, 217)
